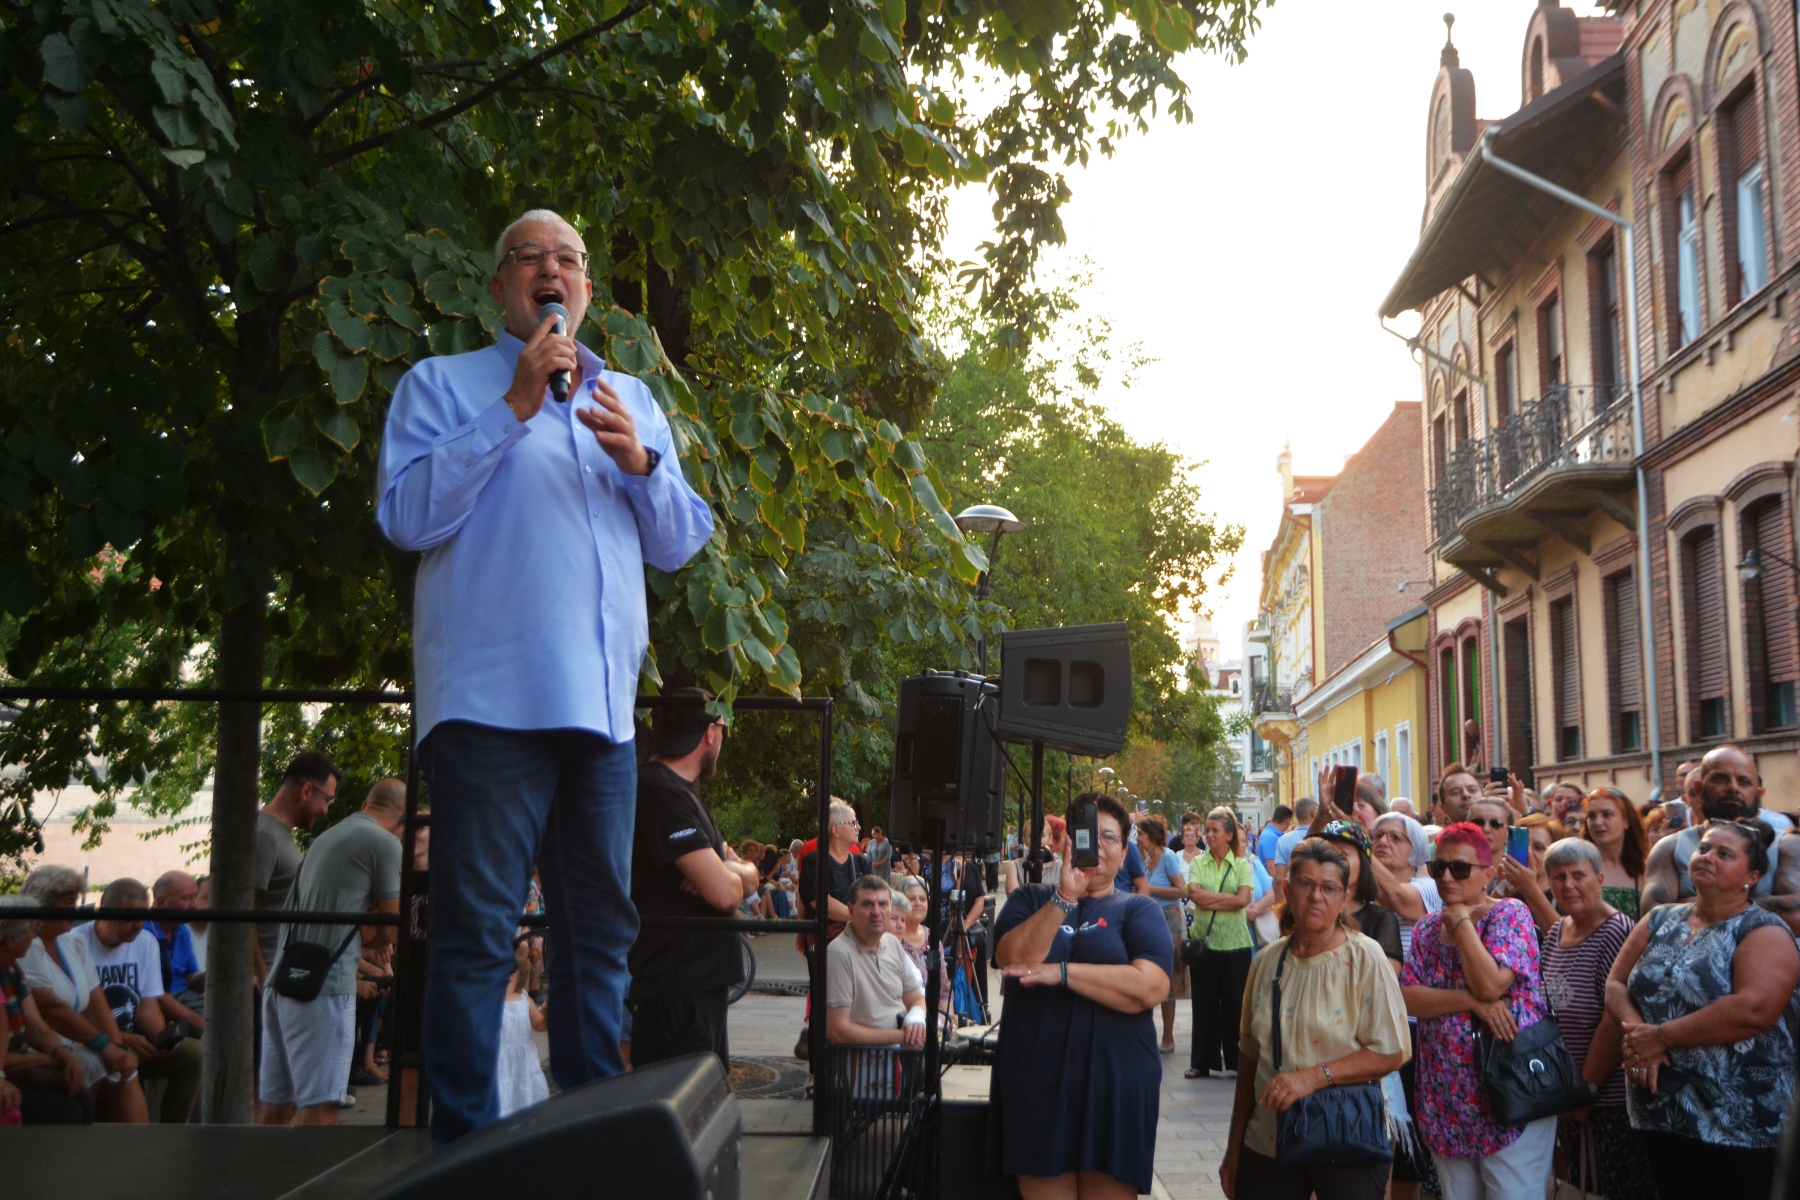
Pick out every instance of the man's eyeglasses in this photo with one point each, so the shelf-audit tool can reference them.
(1437, 868)
(529, 255)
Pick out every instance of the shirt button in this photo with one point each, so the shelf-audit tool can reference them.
(596, 512)
(587, 468)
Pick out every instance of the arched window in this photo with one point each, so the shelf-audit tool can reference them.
(1537, 69)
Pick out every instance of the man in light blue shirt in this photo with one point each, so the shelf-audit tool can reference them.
(1305, 809)
(535, 517)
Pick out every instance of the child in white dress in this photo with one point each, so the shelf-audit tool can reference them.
(519, 1077)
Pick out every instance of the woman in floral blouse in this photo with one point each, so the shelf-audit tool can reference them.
(1477, 957)
(1704, 995)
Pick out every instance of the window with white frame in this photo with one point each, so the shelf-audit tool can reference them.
(1312, 780)
(1402, 783)
(1381, 756)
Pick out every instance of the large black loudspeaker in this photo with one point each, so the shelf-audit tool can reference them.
(670, 1130)
(1068, 688)
(949, 779)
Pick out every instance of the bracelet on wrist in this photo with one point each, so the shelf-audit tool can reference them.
(1329, 1081)
(98, 1043)
(1065, 974)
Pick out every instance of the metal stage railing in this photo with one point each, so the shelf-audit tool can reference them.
(406, 1001)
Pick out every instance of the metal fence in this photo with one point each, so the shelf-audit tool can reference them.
(876, 1121)
(413, 919)
(1570, 424)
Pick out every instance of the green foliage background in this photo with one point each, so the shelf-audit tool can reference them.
(231, 225)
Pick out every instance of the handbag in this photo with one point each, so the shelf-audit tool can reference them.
(1194, 950)
(1586, 1185)
(1342, 1126)
(1532, 1076)
(304, 965)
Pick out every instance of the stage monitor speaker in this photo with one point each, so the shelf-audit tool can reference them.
(1069, 688)
(670, 1130)
(949, 774)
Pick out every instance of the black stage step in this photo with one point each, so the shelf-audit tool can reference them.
(259, 1162)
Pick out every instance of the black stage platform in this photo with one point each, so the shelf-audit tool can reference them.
(252, 1162)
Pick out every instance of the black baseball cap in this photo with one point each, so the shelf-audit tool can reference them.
(674, 732)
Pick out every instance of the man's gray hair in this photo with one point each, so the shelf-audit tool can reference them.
(1572, 850)
(124, 891)
(535, 216)
(869, 883)
(15, 927)
(1305, 808)
(51, 883)
(1375, 781)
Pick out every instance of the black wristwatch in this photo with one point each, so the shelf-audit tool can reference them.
(654, 458)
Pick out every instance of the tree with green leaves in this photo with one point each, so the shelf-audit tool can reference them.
(233, 224)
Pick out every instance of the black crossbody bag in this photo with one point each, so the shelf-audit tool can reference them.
(1341, 1126)
(304, 965)
(1194, 950)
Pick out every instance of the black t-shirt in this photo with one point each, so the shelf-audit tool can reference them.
(1381, 924)
(838, 882)
(672, 822)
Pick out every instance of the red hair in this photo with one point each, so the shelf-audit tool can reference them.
(1056, 825)
(1465, 833)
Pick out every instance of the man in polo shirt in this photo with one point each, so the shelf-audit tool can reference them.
(873, 993)
(1305, 809)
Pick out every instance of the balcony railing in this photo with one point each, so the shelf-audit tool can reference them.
(1573, 424)
(1273, 699)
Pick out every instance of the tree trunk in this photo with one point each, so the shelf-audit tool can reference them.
(226, 1097)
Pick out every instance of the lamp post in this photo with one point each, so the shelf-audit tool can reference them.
(987, 518)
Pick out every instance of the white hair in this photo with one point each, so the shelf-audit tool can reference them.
(535, 216)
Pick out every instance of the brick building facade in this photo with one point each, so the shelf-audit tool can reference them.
(1684, 119)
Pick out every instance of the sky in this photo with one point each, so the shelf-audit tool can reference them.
(1246, 251)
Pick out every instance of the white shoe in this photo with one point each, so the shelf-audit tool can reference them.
(348, 1101)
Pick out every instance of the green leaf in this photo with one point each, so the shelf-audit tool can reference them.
(351, 330)
(339, 426)
(63, 68)
(266, 266)
(757, 652)
(314, 470)
(282, 432)
(345, 372)
(185, 158)
(927, 496)
(177, 124)
(171, 79)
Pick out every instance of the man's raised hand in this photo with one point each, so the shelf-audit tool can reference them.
(615, 430)
(546, 353)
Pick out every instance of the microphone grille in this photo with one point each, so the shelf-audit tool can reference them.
(553, 309)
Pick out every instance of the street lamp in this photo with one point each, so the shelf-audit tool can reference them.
(1752, 567)
(987, 518)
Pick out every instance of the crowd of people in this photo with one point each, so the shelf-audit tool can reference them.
(1387, 957)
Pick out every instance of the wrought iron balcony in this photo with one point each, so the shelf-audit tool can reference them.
(1572, 426)
(1269, 699)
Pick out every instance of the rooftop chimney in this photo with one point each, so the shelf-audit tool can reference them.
(1284, 462)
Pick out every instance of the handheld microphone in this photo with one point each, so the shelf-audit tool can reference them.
(559, 380)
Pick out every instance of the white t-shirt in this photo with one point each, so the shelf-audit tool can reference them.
(42, 970)
(130, 972)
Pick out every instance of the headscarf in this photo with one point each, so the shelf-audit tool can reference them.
(1415, 833)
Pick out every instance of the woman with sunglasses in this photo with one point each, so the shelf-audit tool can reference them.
(1476, 958)
(1613, 825)
(1699, 993)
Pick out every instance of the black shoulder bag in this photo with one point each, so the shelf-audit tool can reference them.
(1532, 1076)
(1194, 950)
(304, 965)
(1341, 1126)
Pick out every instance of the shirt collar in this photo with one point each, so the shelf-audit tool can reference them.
(510, 346)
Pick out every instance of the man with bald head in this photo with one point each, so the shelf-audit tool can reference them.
(536, 483)
(1727, 787)
(182, 976)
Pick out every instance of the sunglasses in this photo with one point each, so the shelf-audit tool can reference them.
(1490, 823)
(1437, 868)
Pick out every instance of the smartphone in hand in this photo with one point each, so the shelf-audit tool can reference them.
(1343, 789)
(1518, 845)
(1084, 834)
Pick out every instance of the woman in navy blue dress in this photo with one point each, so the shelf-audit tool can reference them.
(1073, 1107)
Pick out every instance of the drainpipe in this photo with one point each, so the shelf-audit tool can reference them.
(1653, 709)
(1487, 595)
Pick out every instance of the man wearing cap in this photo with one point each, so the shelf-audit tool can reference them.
(536, 483)
(680, 867)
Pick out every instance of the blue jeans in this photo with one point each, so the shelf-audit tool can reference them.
(502, 801)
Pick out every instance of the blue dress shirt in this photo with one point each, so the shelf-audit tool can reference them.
(529, 612)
